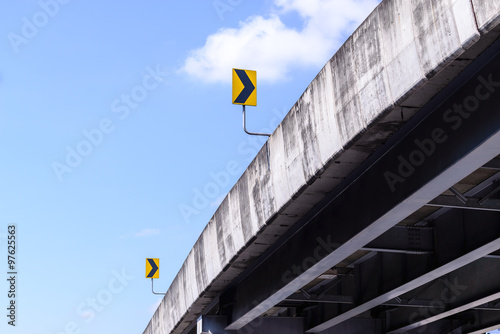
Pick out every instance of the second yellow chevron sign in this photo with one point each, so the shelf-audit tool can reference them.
(152, 268)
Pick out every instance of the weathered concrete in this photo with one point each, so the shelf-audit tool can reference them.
(487, 14)
(394, 63)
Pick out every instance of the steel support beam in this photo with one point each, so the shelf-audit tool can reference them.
(466, 323)
(415, 303)
(454, 325)
(471, 203)
(262, 325)
(466, 288)
(404, 239)
(359, 326)
(443, 144)
(330, 299)
(469, 322)
(493, 164)
(485, 322)
(474, 192)
(461, 238)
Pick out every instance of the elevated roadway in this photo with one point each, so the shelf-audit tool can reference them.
(377, 209)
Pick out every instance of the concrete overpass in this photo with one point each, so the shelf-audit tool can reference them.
(377, 209)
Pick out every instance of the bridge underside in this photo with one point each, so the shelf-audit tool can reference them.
(409, 243)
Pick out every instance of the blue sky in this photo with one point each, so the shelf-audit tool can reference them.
(119, 139)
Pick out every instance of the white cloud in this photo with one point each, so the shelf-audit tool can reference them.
(147, 232)
(267, 45)
(144, 233)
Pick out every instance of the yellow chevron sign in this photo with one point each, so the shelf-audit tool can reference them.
(244, 87)
(152, 268)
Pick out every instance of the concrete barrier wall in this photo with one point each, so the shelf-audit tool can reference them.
(487, 14)
(402, 55)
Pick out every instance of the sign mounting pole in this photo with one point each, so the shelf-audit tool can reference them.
(156, 293)
(153, 271)
(245, 93)
(245, 126)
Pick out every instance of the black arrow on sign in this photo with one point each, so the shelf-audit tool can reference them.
(154, 268)
(248, 87)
